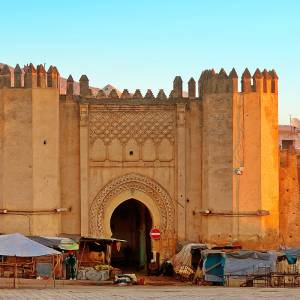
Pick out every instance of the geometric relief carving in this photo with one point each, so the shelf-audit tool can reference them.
(165, 151)
(148, 150)
(132, 181)
(124, 125)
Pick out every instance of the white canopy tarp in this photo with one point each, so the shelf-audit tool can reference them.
(17, 244)
(184, 257)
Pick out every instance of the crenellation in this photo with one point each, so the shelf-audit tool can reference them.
(56, 77)
(172, 95)
(137, 94)
(257, 81)
(207, 82)
(192, 88)
(246, 81)
(49, 78)
(41, 76)
(5, 77)
(113, 94)
(212, 79)
(84, 86)
(17, 77)
(126, 94)
(177, 87)
(101, 94)
(267, 81)
(53, 77)
(70, 86)
(233, 81)
(211, 82)
(30, 76)
(149, 95)
(161, 95)
(274, 81)
(221, 82)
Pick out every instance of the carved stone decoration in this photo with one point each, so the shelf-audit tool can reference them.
(131, 182)
(137, 125)
(84, 114)
(180, 115)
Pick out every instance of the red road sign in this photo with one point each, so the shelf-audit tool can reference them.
(155, 234)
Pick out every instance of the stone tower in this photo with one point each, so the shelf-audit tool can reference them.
(29, 162)
(239, 157)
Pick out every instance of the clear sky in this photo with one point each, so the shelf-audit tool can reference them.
(145, 44)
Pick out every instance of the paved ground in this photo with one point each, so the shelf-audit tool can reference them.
(153, 293)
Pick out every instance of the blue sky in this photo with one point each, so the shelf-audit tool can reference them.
(145, 44)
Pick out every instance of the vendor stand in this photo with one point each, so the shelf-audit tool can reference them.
(15, 246)
(94, 258)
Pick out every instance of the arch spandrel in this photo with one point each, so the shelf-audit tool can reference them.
(145, 188)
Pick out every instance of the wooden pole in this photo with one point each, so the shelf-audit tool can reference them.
(15, 272)
(81, 255)
(53, 270)
(108, 258)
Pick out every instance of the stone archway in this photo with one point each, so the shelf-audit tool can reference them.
(122, 197)
(132, 221)
(137, 186)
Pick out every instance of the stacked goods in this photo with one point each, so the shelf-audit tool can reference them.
(90, 273)
(184, 272)
(103, 267)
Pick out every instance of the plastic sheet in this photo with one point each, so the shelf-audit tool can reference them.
(19, 245)
(249, 262)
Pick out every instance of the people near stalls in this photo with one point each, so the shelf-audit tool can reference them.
(70, 261)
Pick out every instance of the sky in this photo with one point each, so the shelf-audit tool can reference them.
(145, 44)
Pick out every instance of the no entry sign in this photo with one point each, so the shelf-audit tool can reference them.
(155, 234)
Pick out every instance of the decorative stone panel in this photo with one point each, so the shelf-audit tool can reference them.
(132, 182)
(138, 125)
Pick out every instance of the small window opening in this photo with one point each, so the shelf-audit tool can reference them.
(45, 142)
(130, 152)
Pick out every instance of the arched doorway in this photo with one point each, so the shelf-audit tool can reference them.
(132, 221)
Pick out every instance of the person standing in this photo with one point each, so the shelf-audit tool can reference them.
(71, 265)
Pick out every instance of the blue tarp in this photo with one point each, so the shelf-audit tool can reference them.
(19, 245)
(249, 262)
(292, 255)
(213, 266)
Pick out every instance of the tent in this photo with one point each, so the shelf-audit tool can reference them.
(17, 244)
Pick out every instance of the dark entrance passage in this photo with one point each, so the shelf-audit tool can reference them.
(131, 221)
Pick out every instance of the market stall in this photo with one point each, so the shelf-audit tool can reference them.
(16, 245)
(94, 258)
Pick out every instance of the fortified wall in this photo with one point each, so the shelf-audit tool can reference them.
(205, 165)
(289, 197)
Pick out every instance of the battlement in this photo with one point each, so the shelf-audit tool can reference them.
(29, 77)
(211, 82)
(176, 92)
